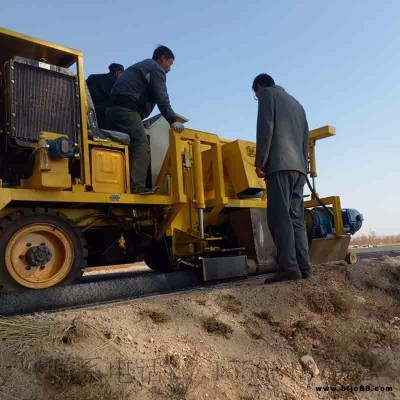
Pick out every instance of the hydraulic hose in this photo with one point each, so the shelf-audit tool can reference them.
(318, 199)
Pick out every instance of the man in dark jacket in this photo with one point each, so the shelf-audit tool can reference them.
(100, 86)
(282, 158)
(134, 95)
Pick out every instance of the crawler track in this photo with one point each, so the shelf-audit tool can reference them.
(122, 287)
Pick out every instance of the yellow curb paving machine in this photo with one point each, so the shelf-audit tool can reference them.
(65, 201)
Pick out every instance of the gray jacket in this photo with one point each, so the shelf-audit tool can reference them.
(141, 87)
(282, 132)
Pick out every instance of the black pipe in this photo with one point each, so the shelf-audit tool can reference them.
(318, 199)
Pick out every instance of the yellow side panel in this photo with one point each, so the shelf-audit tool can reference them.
(238, 159)
(208, 178)
(57, 178)
(108, 167)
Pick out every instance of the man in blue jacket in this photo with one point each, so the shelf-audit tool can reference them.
(282, 158)
(134, 96)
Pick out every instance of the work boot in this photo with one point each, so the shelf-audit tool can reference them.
(306, 272)
(143, 190)
(282, 276)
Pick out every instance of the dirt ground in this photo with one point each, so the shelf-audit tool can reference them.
(242, 343)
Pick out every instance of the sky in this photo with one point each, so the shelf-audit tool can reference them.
(340, 59)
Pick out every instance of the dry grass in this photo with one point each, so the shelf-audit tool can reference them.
(158, 317)
(76, 331)
(62, 371)
(372, 238)
(174, 359)
(371, 360)
(306, 328)
(266, 315)
(319, 301)
(212, 325)
(19, 332)
(329, 302)
(185, 376)
(252, 328)
(74, 378)
(302, 335)
(362, 350)
(37, 342)
(230, 303)
(181, 387)
(380, 363)
(385, 277)
(342, 302)
(378, 335)
(392, 272)
(357, 345)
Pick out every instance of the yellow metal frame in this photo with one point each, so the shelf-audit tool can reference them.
(76, 196)
(197, 141)
(315, 135)
(177, 198)
(30, 47)
(85, 155)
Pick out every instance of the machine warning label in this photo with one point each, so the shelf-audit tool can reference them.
(44, 65)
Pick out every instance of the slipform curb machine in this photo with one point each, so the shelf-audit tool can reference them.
(65, 201)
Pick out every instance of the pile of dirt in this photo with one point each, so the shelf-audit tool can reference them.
(245, 342)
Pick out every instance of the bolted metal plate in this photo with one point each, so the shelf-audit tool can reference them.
(224, 268)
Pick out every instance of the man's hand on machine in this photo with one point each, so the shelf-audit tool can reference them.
(260, 173)
(178, 127)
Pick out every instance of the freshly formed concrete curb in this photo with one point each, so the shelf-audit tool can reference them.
(98, 292)
(114, 287)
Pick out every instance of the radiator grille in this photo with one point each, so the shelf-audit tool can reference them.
(43, 100)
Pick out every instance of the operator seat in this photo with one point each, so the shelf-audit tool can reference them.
(94, 131)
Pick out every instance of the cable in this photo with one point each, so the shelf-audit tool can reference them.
(318, 199)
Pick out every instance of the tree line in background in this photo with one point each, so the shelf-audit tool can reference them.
(373, 238)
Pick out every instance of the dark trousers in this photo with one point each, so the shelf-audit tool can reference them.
(285, 212)
(127, 121)
(101, 117)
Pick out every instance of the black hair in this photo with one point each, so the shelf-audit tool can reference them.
(161, 51)
(115, 67)
(264, 80)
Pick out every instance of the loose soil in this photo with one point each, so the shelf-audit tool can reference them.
(243, 342)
